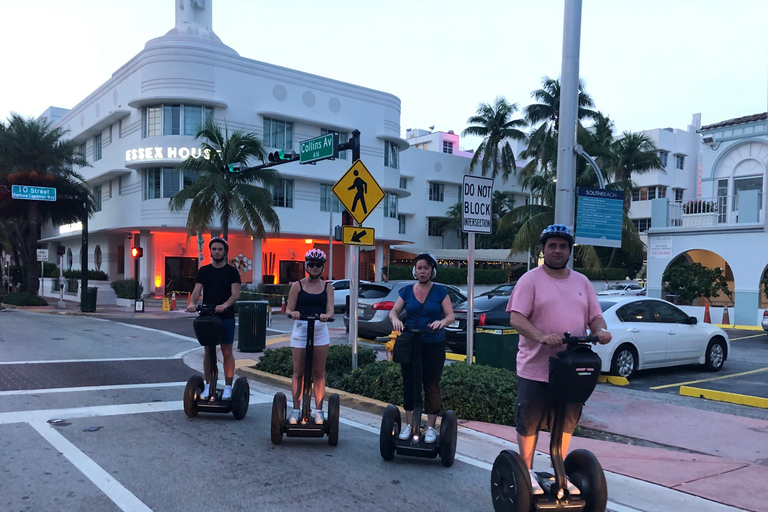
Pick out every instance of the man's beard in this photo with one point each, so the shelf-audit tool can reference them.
(218, 260)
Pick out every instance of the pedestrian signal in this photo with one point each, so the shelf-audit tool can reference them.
(137, 252)
(61, 250)
(346, 219)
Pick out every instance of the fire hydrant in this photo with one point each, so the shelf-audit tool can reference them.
(390, 345)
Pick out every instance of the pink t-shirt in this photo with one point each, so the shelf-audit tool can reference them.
(554, 306)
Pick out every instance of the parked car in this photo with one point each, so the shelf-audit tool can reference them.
(340, 294)
(765, 320)
(623, 289)
(377, 299)
(486, 310)
(654, 333)
(502, 289)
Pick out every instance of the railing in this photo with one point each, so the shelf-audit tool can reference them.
(706, 212)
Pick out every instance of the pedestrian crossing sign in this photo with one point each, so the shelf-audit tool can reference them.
(358, 191)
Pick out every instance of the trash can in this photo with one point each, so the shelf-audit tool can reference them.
(252, 325)
(88, 300)
(496, 346)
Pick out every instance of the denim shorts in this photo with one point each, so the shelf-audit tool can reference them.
(534, 409)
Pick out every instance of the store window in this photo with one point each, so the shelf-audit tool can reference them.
(391, 155)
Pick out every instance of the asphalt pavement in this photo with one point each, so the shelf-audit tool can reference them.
(670, 455)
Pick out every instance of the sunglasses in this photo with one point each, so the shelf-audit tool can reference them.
(312, 264)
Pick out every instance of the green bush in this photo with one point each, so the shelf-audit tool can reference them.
(338, 366)
(96, 275)
(278, 361)
(480, 393)
(609, 273)
(24, 299)
(126, 288)
(381, 380)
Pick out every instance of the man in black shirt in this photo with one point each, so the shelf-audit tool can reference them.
(220, 283)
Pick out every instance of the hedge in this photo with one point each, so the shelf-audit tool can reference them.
(126, 288)
(609, 273)
(453, 275)
(24, 299)
(96, 275)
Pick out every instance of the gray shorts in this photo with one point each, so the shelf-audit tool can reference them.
(534, 409)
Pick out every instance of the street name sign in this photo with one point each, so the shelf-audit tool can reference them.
(599, 217)
(320, 148)
(33, 193)
(358, 191)
(352, 235)
(476, 209)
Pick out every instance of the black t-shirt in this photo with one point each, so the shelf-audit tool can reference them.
(217, 286)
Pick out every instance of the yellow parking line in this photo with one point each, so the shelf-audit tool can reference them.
(271, 340)
(747, 337)
(740, 327)
(722, 396)
(458, 357)
(759, 370)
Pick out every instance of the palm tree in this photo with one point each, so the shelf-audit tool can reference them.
(228, 195)
(32, 152)
(495, 125)
(633, 153)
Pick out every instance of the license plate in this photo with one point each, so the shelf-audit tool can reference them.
(360, 311)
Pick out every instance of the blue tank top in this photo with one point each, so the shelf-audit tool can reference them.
(312, 303)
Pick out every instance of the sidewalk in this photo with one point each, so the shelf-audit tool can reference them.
(715, 456)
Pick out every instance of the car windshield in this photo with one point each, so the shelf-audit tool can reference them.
(605, 305)
(373, 291)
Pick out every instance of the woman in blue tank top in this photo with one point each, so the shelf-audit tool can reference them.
(310, 296)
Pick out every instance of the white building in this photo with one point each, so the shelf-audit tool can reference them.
(136, 127)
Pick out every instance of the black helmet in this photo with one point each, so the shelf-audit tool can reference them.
(218, 239)
(557, 231)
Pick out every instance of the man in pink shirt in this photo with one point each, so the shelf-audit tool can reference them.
(547, 302)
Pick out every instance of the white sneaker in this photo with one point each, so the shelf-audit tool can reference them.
(227, 394)
(206, 391)
(572, 489)
(430, 436)
(537, 490)
(293, 418)
(405, 433)
(319, 419)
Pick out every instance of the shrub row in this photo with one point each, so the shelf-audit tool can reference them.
(477, 392)
(453, 275)
(24, 299)
(96, 275)
(126, 288)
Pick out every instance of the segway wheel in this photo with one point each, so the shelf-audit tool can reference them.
(585, 472)
(191, 392)
(510, 483)
(449, 427)
(390, 428)
(241, 395)
(333, 419)
(278, 417)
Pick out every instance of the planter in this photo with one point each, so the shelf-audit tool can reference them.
(699, 219)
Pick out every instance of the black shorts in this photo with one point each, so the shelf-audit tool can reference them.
(534, 409)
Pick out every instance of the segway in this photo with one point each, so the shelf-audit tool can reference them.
(572, 378)
(389, 441)
(306, 426)
(207, 328)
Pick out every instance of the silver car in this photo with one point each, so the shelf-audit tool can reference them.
(653, 333)
(623, 289)
(377, 299)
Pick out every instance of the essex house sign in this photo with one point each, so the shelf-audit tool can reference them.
(160, 153)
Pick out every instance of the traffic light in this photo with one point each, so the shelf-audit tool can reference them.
(282, 156)
(337, 234)
(61, 250)
(346, 219)
(232, 167)
(137, 252)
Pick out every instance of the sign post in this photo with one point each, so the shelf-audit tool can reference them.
(475, 218)
(42, 257)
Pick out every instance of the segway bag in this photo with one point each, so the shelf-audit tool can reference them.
(207, 330)
(573, 374)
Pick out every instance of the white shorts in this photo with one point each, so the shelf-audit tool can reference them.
(299, 334)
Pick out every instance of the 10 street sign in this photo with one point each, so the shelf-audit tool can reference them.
(33, 193)
(320, 148)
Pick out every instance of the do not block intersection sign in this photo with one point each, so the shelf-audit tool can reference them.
(476, 207)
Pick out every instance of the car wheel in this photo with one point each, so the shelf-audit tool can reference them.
(715, 356)
(624, 362)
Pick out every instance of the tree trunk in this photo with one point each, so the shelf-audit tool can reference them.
(33, 273)
(614, 252)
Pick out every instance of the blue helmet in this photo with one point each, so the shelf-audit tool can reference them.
(557, 231)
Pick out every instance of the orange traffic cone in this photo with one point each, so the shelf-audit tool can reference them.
(706, 313)
(173, 301)
(282, 306)
(726, 316)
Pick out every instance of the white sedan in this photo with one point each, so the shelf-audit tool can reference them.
(654, 333)
(623, 289)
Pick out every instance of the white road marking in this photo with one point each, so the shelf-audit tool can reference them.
(167, 333)
(103, 360)
(88, 412)
(113, 489)
(91, 388)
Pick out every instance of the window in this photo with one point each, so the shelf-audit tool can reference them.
(679, 162)
(81, 151)
(651, 193)
(193, 118)
(171, 119)
(639, 311)
(436, 191)
(433, 226)
(152, 183)
(282, 193)
(278, 134)
(119, 185)
(343, 137)
(401, 224)
(661, 192)
(97, 198)
(97, 148)
(390, 155)
(403, 183)
(663, 156)
(447, 147)
(678, 194)
(152, 121)
(669, 314)
(642, 225)
(390, 205)
(164, 182)
(744, 184)
(171, 182)
(177, 119)
(327, 197)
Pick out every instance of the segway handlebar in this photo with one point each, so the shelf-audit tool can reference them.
(207, 308)
(573, 340)
(311, 317)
